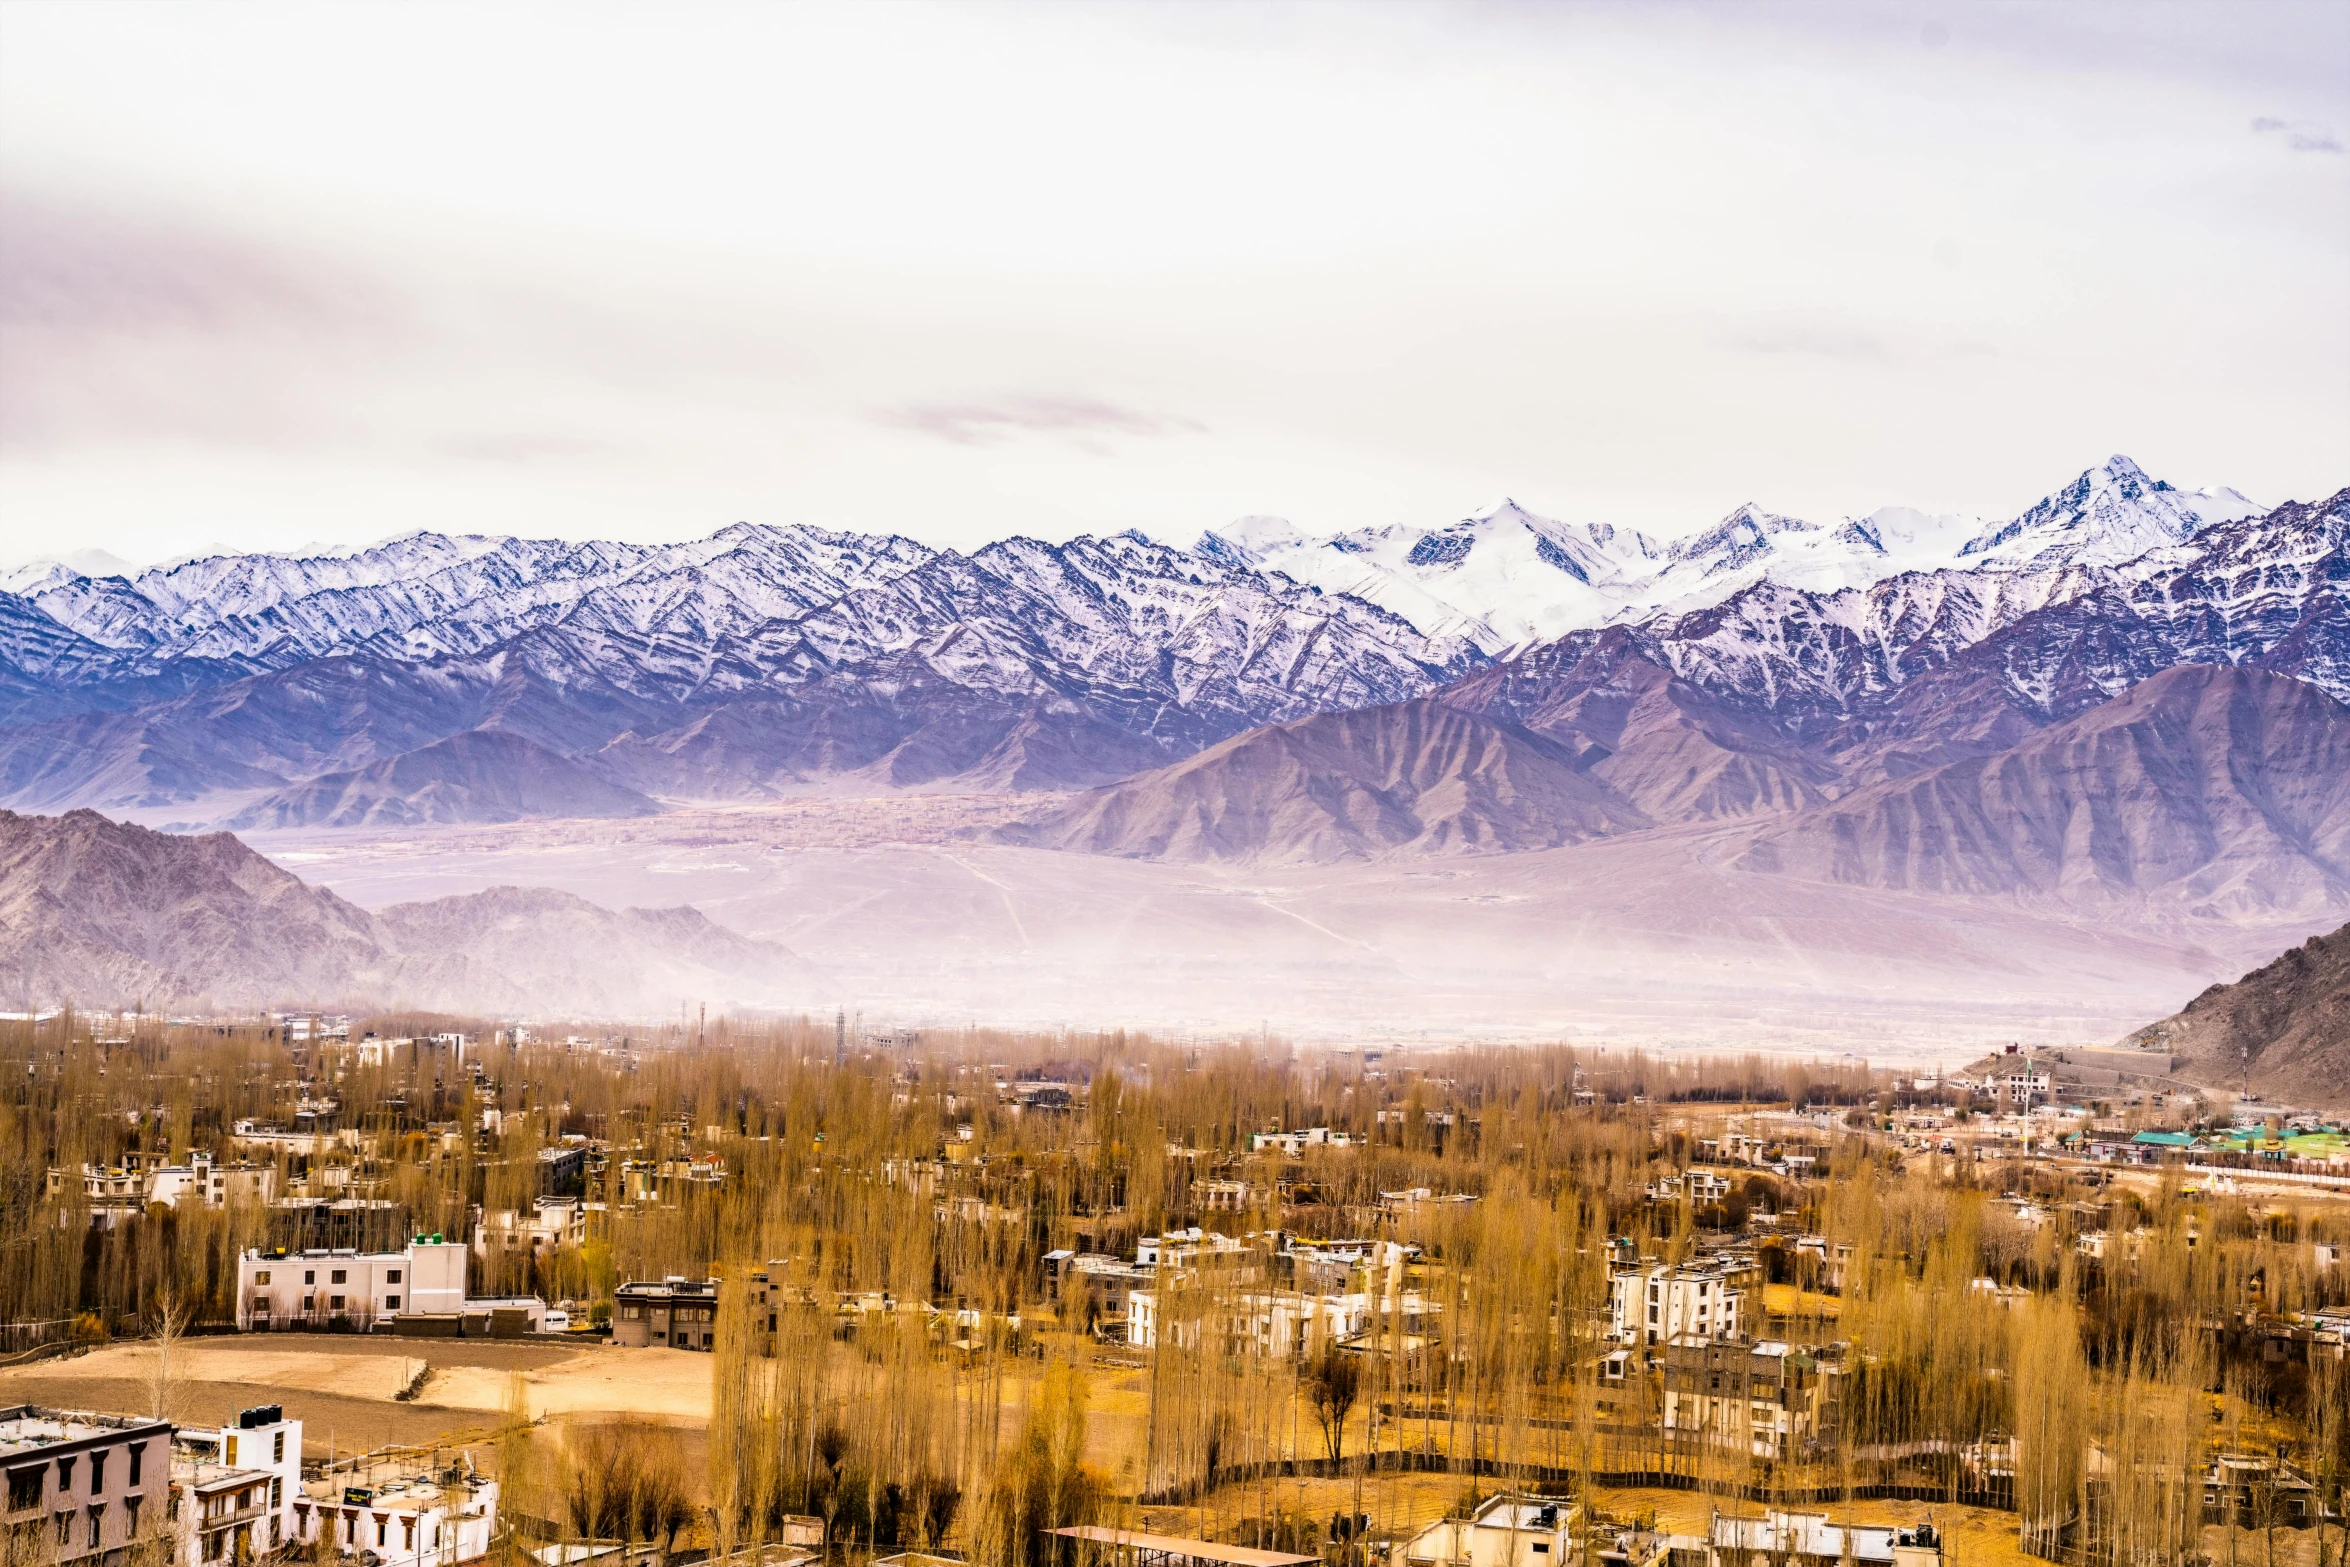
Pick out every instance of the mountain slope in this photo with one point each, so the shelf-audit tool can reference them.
(1673, 750)
(2221, 791)
(99, 913)
(103, 914)
(478, 776)
(1419, 777)
(515, 948)
(2285, 1027)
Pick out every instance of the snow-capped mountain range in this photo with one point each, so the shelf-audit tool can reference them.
(1505, 577)
(767, 659)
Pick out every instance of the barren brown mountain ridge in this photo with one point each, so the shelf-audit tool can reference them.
(2282, 1031)
(106, 914)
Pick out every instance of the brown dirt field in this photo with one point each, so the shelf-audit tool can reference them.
(341, 1387)
(1396, 1502)
(329, 1421)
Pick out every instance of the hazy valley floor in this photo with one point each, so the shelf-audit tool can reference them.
(1638, 940)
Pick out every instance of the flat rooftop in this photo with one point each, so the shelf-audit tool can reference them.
(28, 1428)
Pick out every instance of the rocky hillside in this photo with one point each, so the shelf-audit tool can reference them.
(2210, 790)
(1415, 777)
(98, 913)
(2221, 790)
(2285, 1027)
(479, 776)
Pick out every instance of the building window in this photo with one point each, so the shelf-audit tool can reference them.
(64, 1476)
(393, 1277)
(310, 1275)
(65, 1528)
(97, 1527)
(391, 1303)
(138, 1460)
(24, 1488)
(336, 1277)
(262, 1277)
(277, 1455)
(334, 1302)
(98, 1473)
(130, 1506)
(277, 1491)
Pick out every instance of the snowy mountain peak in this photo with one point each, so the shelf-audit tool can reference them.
(1507, 510)
(1738, 538)
(1246, 541)
(2110, 514)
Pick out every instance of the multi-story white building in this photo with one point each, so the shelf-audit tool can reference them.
(1767, 1399)
(1341, 1266)
(1296, 1143)
(1105, 1285)
(1273, 1322)
(201, 1180)
(1655, 1301)
(2016, 1079)
(82, 1487)
(233, 1489)
(403, 1515)
(277, 1290)
(549, 1223)
(124, 1190)
(1188, 1248)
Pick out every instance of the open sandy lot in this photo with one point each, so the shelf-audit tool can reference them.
(344, 1389)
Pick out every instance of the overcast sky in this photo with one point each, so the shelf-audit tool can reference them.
(279, 273)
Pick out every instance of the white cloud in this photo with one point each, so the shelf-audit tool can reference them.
(963, 270)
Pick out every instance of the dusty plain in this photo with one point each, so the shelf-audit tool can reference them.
(911, 916)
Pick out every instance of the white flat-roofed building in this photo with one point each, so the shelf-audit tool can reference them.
(233, 1489)
(1274, 1322)
(214, 1185)
(548, 1223)
(1506, 1531)
(403, 1514)
(1655, 1301)
(278, 1290)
